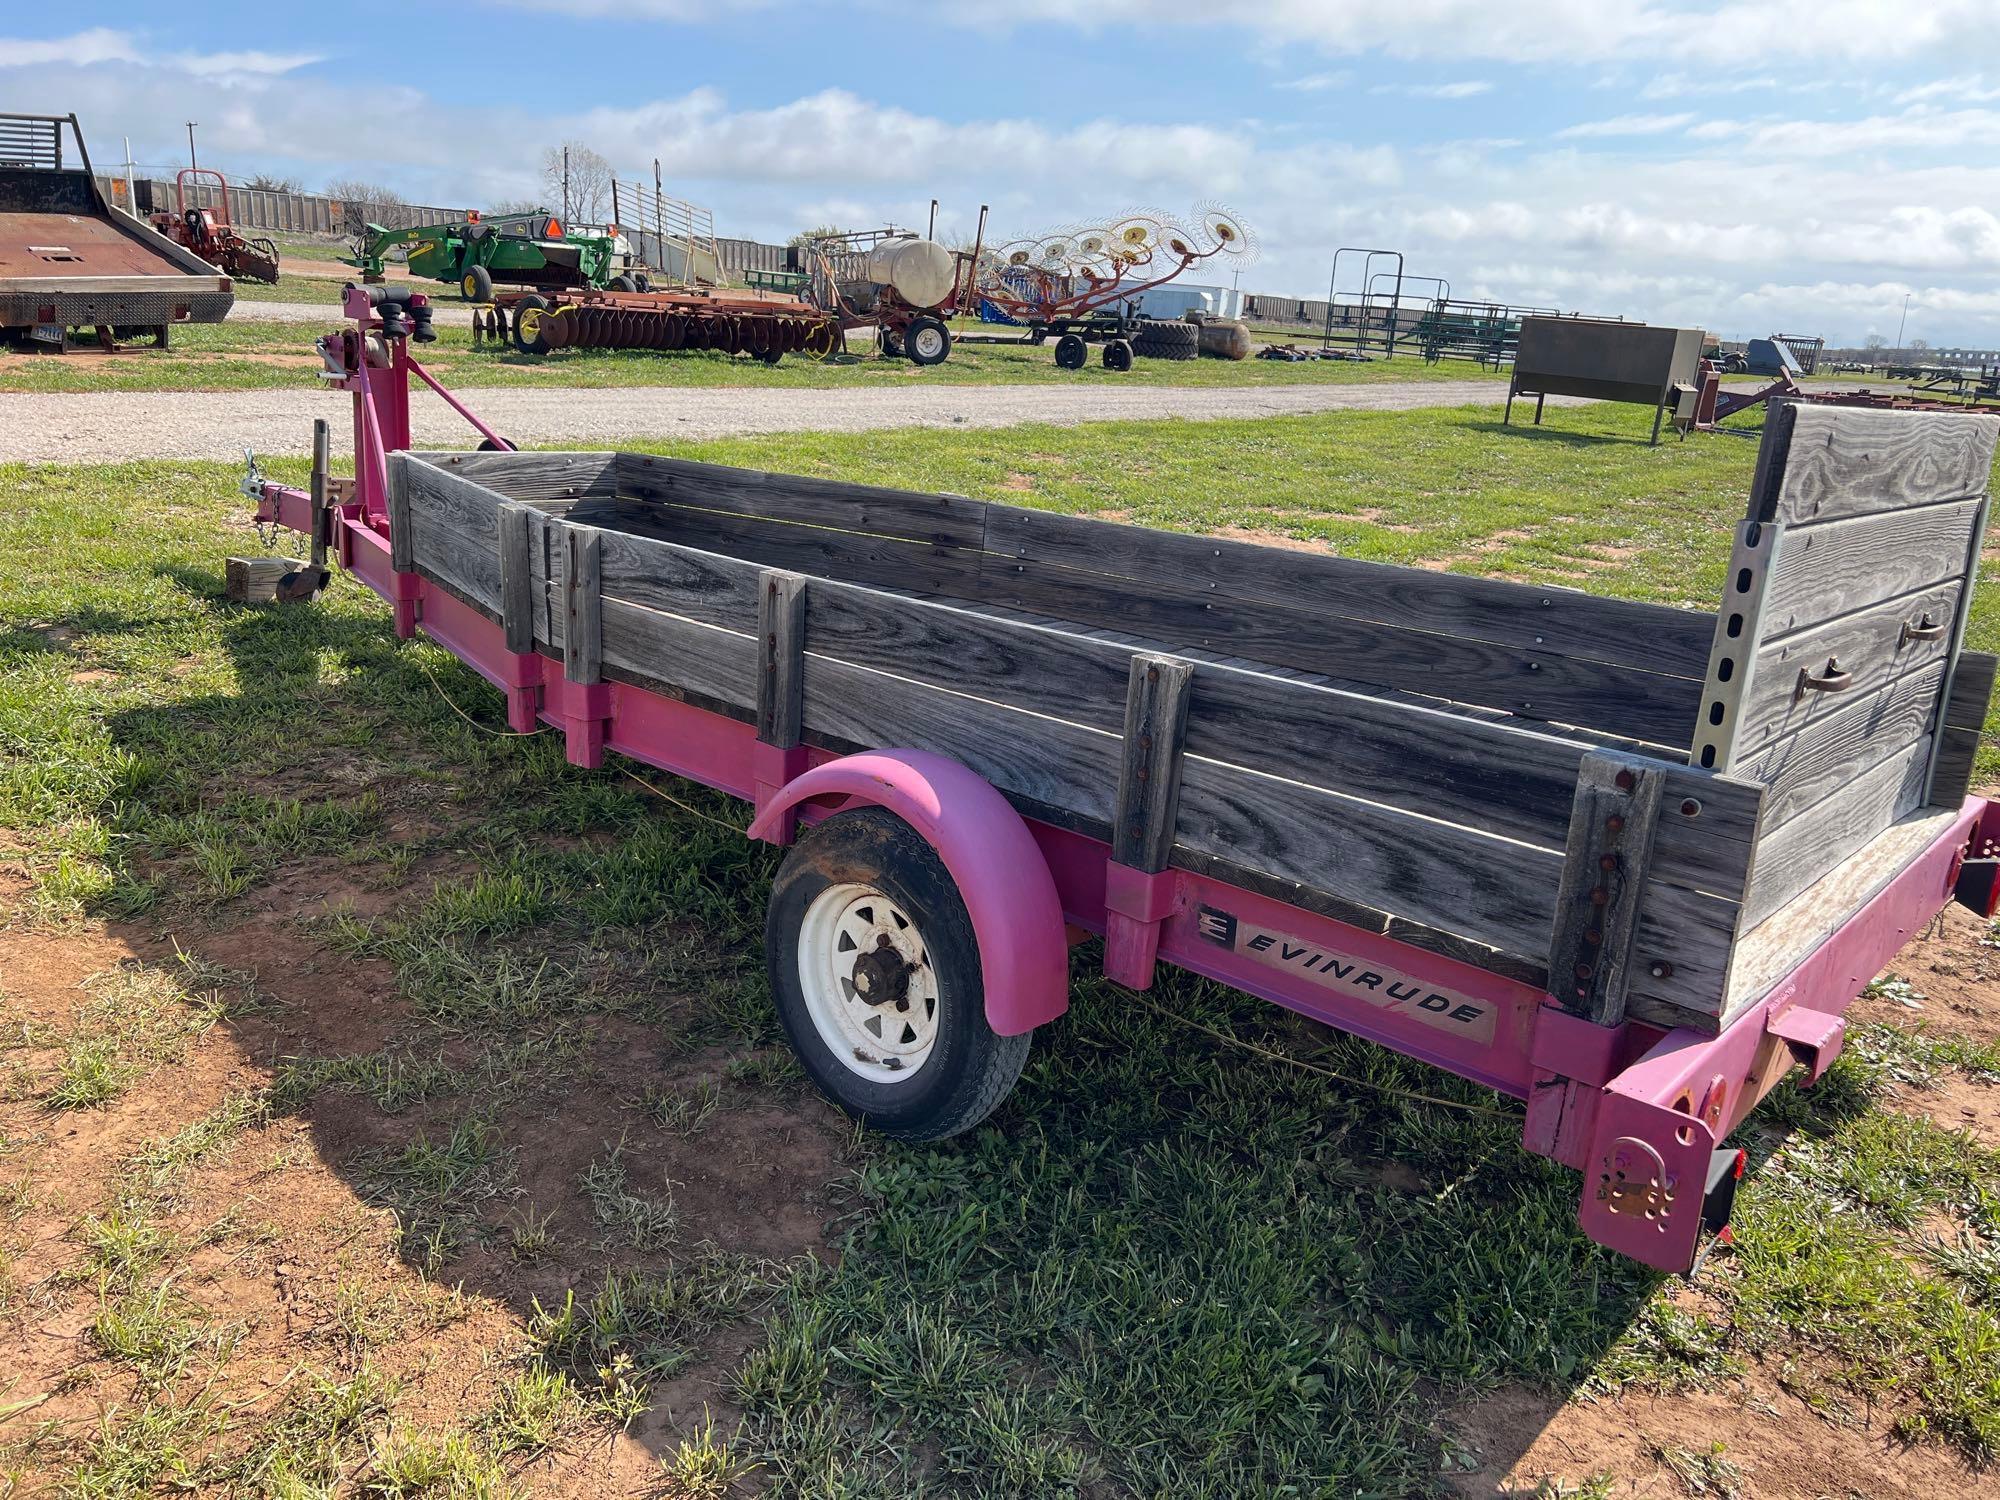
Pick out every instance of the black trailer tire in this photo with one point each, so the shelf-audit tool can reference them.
(1118, 355)
(1162, 338)
(527, 321)
(643, 282)
(927, 341)
(623, 283)
(1071, 352)
(864, 904)
(476, 285)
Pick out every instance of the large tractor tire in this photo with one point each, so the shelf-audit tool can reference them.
(1162, 338)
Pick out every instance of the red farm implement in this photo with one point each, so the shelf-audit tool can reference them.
(208, 231)
(764, 325)
(1624, 863)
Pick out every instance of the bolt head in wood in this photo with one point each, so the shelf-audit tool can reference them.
(1626, 781)
(1607, 861)
(1662, 971)
(1691, 808)
(1614, 824)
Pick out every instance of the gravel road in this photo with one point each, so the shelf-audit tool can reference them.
(112, 427)
(452, 314)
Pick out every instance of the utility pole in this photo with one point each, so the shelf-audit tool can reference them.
(565, 184)
(191, 161)
(1904, 319)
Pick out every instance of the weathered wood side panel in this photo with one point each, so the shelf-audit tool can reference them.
(1814, 764)
(1874, 647)
(1964, 720)
(936, 520)
(1826, 463)
(1843, 566)
(1530, 683)
(1802, 850)
(531, 477)
(679, 656)
(1066, 771)
(453, 529)
(1650, 637)
(1149, 768)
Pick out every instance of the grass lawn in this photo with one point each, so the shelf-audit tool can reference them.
(388, 1106)
(243, 355)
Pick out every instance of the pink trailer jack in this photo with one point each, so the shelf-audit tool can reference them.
(1626, 863)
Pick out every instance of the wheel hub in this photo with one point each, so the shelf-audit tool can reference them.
(867, 982)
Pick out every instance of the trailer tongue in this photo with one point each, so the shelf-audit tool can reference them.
(1627, 864)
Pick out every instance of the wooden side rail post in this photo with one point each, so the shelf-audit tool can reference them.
(517, 615)
(781, 658)
(1138, 893)
(1605, 864)
(586, 697)
(405, 587)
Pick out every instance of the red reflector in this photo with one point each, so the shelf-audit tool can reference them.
(1725, 1235)
(1742, 1160)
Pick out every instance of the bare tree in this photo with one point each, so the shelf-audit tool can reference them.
(509, 206)
(264, 182)
(360, 191)
(823, 232)
(580, 180)
(1920, 346)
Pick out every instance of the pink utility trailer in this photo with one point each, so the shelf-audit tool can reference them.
(1625, 862)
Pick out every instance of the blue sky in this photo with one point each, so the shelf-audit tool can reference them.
(1789, 164)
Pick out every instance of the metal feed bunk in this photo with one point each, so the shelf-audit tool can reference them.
(1625, 863)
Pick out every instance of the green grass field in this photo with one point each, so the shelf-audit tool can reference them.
(243, 355)
(1168, 1266)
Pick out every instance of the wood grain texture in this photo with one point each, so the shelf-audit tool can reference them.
(1818, 839)
(680, 657)
(536, 476)
(320, 491)
(1965, 707)
(402, 546)
(583, 605)
(1533, 684)
(705, 586)
(823, 552)
(517, 578)
(1826, 463)
(936, 520)
(453, 527)
(1772, 948)
(1606, 869)
(1065, 771)
(781, 647)
(1840, 566)
(1869, 644)
(1805, 768)
(1554, 621)
(1149, 769)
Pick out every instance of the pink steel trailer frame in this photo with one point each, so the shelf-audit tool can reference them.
(1640, 1108)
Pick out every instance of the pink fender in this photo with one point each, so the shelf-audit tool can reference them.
(1017, 917)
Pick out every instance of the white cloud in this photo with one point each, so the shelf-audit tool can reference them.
(1467, 89)
(1314, 83)
(1624, 125)
(101, 44)
(1964, 89)
(1726, 33)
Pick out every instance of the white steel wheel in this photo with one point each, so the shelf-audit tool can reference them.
(867, 983)
(876, 978)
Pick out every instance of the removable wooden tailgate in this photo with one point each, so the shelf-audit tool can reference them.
(1837, 647)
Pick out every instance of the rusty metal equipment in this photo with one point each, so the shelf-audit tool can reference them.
(209, 231)
(1607, 360)
(765, 325)
(69, 259)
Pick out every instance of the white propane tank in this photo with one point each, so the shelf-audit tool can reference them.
(922, 272)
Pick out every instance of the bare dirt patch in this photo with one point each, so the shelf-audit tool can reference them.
(1783, 1449)
(1957, 971)
(1957, 1103)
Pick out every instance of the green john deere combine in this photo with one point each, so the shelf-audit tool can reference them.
(513, 250)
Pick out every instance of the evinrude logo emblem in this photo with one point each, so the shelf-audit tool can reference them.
(1373, 984)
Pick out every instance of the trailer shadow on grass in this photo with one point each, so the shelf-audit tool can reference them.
(556, 1178)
